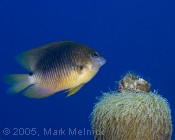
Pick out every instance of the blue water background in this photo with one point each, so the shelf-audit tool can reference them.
(137, 35)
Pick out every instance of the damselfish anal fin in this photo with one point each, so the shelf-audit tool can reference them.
(35, 91)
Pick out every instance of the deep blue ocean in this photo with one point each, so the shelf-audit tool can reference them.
(137, 35)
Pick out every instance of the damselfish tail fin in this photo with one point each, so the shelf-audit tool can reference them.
(19, 82)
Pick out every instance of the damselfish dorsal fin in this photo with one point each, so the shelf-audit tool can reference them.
(30, 58)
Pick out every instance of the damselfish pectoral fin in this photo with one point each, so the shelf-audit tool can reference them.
(80, 69)
(73, 90)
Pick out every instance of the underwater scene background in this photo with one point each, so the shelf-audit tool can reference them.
(136, 36)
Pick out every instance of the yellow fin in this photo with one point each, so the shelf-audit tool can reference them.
(73, 90)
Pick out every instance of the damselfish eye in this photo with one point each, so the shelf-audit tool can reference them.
(95, 55)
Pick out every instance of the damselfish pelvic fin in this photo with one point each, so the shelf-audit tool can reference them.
(18, 81)
(73, 90)
(35, 91)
